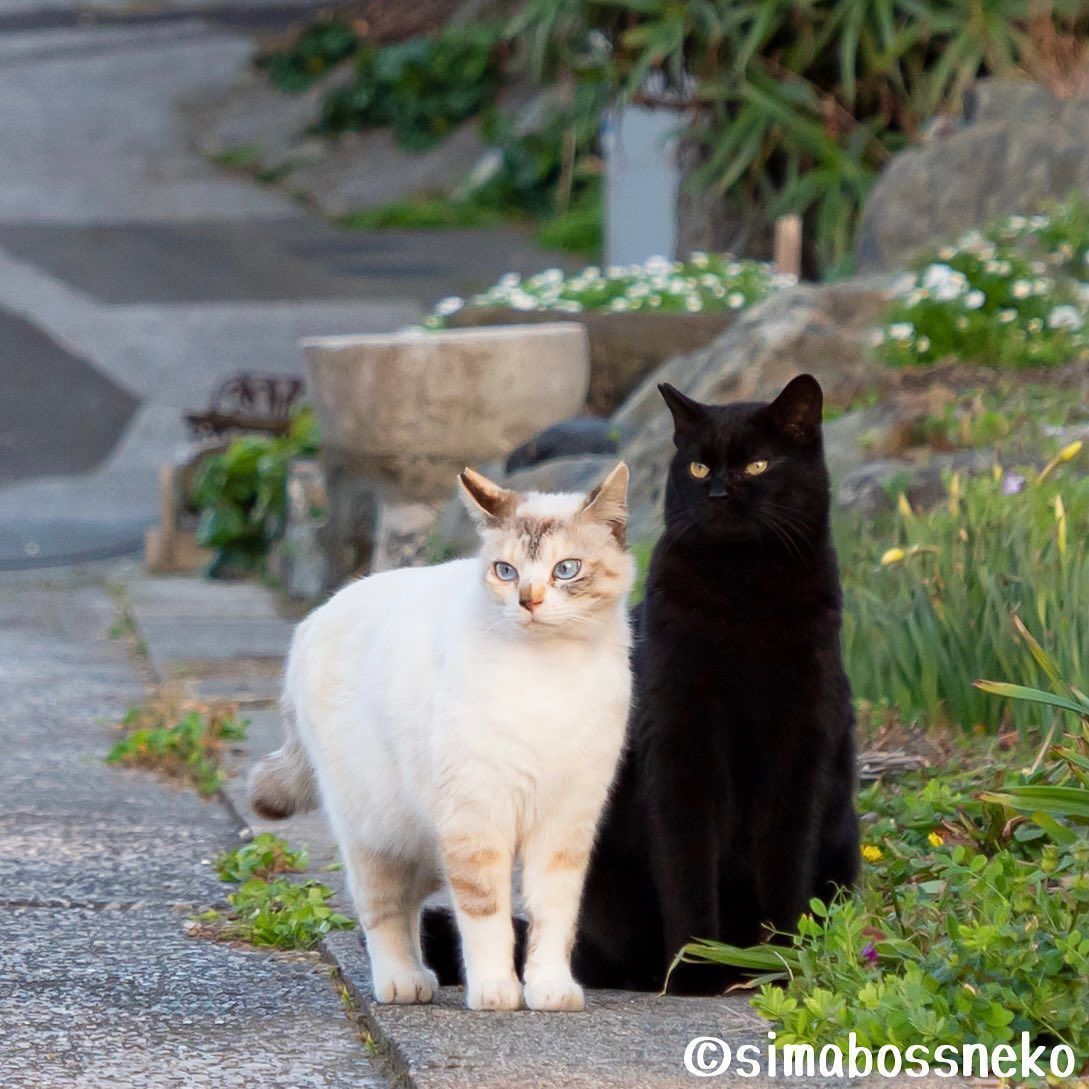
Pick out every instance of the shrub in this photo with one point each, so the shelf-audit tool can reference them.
(971, 926)
(421, 89)
(321, 46)
(705, 282)
(182, 740)
(241, 495)
(1013, 296)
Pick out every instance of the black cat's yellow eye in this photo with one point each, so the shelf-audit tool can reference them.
(755, 468)
(699, 470)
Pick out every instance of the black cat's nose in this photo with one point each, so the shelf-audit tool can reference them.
(718, 490)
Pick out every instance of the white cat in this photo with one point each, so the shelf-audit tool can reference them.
(456, 718)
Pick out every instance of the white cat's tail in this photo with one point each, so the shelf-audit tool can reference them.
(283, 782)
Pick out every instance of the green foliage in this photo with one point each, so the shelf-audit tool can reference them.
(553, 164)
(321, 46)
(928, 594)
(579, 230)
(183, 744)
(797, 106)
(278, 913)
(970, 926)
(243, 157)
(269, 910)
(241, 494)
(264, 856)
(705, 282)
(421, 89)
(1013, 296)
(642, 552)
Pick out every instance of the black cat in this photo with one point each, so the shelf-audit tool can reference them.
(733, 805)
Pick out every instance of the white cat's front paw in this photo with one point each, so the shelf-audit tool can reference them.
(407, 987)
(554, 991)
(494, 994)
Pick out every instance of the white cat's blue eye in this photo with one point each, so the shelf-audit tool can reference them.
(504, 572)
(566, 569)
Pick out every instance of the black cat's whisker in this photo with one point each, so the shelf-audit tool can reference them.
(783, 538)
(800, 517)
(781, 530)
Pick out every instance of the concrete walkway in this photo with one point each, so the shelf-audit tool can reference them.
(100, 986)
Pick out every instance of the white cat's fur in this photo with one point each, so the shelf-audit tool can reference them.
(455, 723)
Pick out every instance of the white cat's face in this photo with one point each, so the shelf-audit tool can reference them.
(553, 563)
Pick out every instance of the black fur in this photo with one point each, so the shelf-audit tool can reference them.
(733, 805)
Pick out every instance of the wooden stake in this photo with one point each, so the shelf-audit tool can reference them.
(788, 245)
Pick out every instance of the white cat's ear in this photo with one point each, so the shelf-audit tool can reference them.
(486, 501)
(608, 503)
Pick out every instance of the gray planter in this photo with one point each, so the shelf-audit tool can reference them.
(624, 347)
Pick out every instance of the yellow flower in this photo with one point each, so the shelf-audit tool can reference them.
(954, 494)
(935, 839)
(1060, 518)
(1067, 453)
(871, 853)
(903, 505)
(893, 555)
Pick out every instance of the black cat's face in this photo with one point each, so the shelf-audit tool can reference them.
(749, 471)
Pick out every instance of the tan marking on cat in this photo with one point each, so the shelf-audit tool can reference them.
(389, 886)
(568, 858)
(475, 897)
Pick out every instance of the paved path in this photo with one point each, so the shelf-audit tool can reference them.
(135, 275)
(99, 867)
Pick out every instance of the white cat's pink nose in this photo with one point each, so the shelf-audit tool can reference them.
(530, 597)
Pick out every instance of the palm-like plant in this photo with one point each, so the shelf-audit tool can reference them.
(799, 102)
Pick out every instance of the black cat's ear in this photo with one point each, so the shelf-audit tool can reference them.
(486, 501)
(797, 411)
(687, 414)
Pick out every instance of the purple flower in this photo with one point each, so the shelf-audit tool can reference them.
(869, 954)
(1012, 483)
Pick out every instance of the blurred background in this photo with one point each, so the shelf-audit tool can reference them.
(189, 190)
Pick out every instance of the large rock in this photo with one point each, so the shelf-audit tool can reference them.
(1017, 147)
(826, 331)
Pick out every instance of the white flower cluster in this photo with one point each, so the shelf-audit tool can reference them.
(1016, 295)
(705, 282)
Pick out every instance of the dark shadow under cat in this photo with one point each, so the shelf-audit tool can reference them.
(733, 805)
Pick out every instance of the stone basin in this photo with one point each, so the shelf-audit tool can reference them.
(409, 410)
